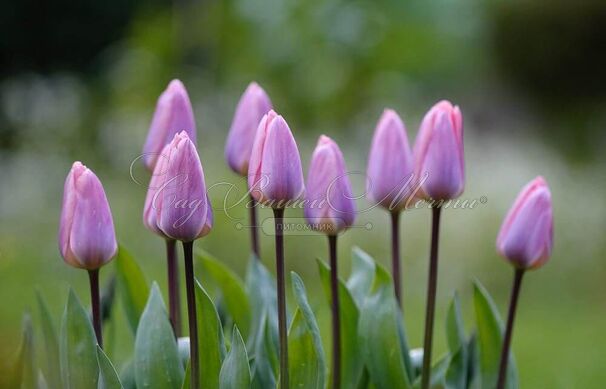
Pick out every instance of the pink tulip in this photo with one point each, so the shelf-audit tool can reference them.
(173, 114)
(274, 173)
(438, 153)
(526, 236)
(329, 205)
(183, 211)
(253, 104)
(86, 233)
(390, 168)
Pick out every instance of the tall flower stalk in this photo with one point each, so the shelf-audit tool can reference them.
(389, 177)
(173, 114)
(253, 104)
(87, 239)
(183, 183)
(275, 178)
(439, 161)
(330, 209)
(525, 241)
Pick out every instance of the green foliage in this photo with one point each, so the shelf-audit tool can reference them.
(375, 352)
(108, 377)
(52, 369)
(380, 331)
(233, 291)
(157, 363)
(78, 347)
(235, 371)
(306, 355)
(134, 289)
(490, 340)
(210, 339)
(351, 353)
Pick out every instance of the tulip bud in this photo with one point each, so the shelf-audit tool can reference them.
(183, 211)
(526, 236)
(390, 169)
(253, 104)
(274, 173)
(86, 233)
(438, 153)
(173, 114)
(329, 205)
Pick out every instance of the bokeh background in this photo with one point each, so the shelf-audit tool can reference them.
(79, 81)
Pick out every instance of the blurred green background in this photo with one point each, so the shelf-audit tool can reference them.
(79, 81)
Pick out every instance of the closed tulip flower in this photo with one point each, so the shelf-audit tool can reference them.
(274, 173)
(438, 153)
(525, 240)
(86, 234)
(173, 114)
(329, 205)
(390, 168)
(526, 236)
(253, 104)
(182, 208)
(86, 231)
(275, 177)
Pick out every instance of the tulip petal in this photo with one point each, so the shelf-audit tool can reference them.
(253, 105)
(92, 236)
(390, 164)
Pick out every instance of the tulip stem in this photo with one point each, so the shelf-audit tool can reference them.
(432, 285)
(191, 314)
(174, 299)
(513, 304)
(93, 276)
(336, 320)
(254, 235)
(395, 255)
(279, 220)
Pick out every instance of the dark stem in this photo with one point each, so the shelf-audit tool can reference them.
(432, 285)
(395, 255)
(336, 320)
(254, 234)
(279, 219)
(174, 299)
(513, 304)
(191, 314)
(93, 277)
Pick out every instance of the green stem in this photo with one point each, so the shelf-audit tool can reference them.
(432, 285)
(279, 220)
(191, 314)
(336, 319)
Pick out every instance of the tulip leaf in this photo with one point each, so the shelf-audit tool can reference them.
(78, 347)
(352, 363)
(108, 377)
(52, 369)
(211, 344)
(24, 373)
(457, 344)
(133, 287)
(362, 275)
(232, 290)
(265, 361)
(262, 341)
(490, 340)
(261, 289)
(157, 363)
(438, 374)
(235, 372)
(127, 375)
(387, 360)
(456, 374)
(306, 354)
